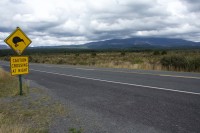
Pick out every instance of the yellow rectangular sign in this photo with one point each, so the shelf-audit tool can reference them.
(19, 65)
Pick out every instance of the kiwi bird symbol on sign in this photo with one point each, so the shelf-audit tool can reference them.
(16, 40)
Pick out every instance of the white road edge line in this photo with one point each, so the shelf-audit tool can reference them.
(158, 88)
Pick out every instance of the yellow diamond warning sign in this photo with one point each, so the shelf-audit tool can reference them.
(19, 65)
(18, 41)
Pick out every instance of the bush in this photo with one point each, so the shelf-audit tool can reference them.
(156, 53)
(93, 54)
(77, 54)
(181, 63)
(137, 61)
(194, 64)
(6, 58)
(30, 58)
(36, 61)
(163, 52)
(177, 62)
(60, 61)
(123, 53)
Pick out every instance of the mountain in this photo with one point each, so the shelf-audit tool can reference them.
(134, 43)
(141, 43)
(3, 47)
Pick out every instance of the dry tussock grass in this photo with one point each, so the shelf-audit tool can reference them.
(10, 128)
(30, 113)
(148, 60)
(13, 129)
(8, 84)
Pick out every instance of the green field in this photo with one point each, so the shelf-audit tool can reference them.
(173, 60)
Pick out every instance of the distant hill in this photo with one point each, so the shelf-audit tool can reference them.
(4, 47)
(141, 43)
(135, 43)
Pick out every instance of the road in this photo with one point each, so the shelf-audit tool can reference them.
(125, 101)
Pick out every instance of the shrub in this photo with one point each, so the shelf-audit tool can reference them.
(60, 61)
(30, 58)
(7, 58)
(156, 53)
(177, 62)
(163, 52)
(36, 61)
(66, 52)
(93, 54)
(123, 53)
(194, 64)
(137, 61)
(77, 54)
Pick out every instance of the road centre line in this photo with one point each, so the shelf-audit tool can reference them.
(115, 82)
(79, 68)
(141, 73)
(85, 69)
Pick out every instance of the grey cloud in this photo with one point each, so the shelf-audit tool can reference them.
(5, 29)
(74, 22)
(16, 1)
(192, 5)
(42, 26)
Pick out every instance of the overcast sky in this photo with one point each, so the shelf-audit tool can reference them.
(63, 22)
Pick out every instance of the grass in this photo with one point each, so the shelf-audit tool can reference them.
(147, 60)
(173, 60)
(8, 90)
(9, 85)
(31, 113)
(74, 130)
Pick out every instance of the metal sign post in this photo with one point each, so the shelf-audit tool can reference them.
(20, 85)
(18, 41)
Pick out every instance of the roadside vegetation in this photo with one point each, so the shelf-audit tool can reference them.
(33, 112)
(172, 60)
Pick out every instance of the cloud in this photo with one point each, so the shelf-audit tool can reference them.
(64, 22)
(192, 5)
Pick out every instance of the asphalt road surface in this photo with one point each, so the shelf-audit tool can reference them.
(125, 101)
